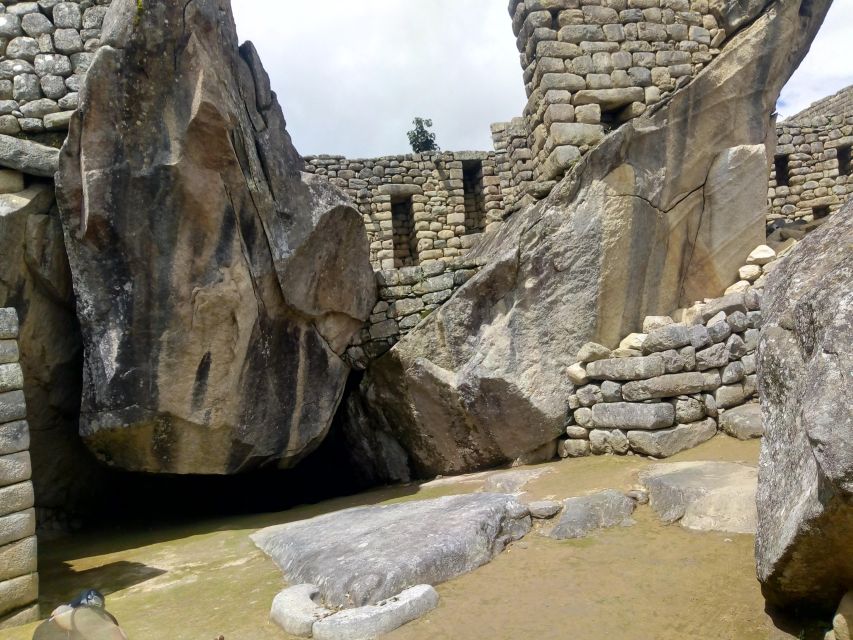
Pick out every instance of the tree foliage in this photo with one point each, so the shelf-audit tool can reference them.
(421, 138)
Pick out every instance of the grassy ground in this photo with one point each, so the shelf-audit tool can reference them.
(648, 581)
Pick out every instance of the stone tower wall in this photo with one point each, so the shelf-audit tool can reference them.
(18, 576)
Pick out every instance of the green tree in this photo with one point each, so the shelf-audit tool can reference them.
(421, 138)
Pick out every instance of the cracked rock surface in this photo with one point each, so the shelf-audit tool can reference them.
(216, 284)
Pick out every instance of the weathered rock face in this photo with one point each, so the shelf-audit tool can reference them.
(662, 213)
(216, 284)
(805, 373)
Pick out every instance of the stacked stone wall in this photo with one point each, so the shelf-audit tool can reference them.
(46, 48)
(812, 175)
(18, 570)
(416, 207)
(590, 65)
(406, 296)
(675, 385)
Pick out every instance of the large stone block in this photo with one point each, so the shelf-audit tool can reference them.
(14, 437)
(18, 525)
(668, 442)
(18, 558)
(16, 497)
(626, 368)
(633, 415)
(15, 468)
(18, 592)
(805, 478)
(217, 284)
(666, 386)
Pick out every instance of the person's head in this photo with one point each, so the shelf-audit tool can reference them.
(90, 598)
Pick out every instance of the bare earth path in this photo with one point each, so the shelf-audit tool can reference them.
(647, 581)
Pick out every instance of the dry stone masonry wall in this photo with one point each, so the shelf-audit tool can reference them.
(675, 385)
(812, 172)
(46, 48)
(419, 208)
(18, 576)
(590, 65)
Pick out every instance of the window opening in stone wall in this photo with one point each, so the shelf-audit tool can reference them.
(820, 212)
(403, 228)
(780, 164)
(475, 200)
(844, 164)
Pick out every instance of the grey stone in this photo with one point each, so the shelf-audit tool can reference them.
(611, 441)
(733, 372)
(26, 88)
(14, 437)
(8, 351)
(10, 26)
(738, 321)
(8, 324)
(583, 417)
(577, 433)
(23, 48)
(36, 24)
(93, 17)
(672, 361)
(748, 364)
(18, 558)
(626, 368)
(366, 554)
(710, 404)
(573, 448)
(58, 121)
(752, 301)
(15, 468)
(688, 357)
(673, 336)
(11, 69)
(39, 108)
(592, 351)
(699, 336)
(54, 64)
(53, 87)
(20, 524)
(650, 323)
(805, 356)
(632, 415)
(589, 395)
(295, 611)
(67, 15)
(727, 305)
(611, 391)
(18, 592)
(712, 358)
(666, 386)
(732, 395)
(11, 377)
(667, 442)
(512, 481)
(688, 410)
(376, 620)
(28, 157)
(705, 496)
(67, 41)
(743, 422)
(12, 406)
(583, 515)
(750, 340)
(719, 331)
(21, 8)
(735, 347)
(640, 496)
(262, 317)
(544, 509)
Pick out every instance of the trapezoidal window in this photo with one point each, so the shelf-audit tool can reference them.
(820, 212)
(780, 164)
(475, 199)
(403, 227)
(845, 168)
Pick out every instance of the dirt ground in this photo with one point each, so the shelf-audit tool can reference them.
(648, 581)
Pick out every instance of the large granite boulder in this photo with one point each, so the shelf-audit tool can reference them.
(217, 284)
(663, 212)
(805, 374)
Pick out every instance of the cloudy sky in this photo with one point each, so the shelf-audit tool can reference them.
(350, 76)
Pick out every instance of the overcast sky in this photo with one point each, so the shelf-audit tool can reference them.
(350, 76)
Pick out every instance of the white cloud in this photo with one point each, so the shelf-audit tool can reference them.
(350, 76)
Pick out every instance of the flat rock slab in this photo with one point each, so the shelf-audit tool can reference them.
(743, 422)
(705, 496)
(512, 481)
(584, 514)
(367, 554)
(667, 442)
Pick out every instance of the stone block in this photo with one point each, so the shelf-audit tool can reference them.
(573, 448)
(8, 351)
(609, 99)
(14, 437)
(20, 617)
(576, 134)
(632, 415)
(602, 442)
(12, 406)
(671, 336)
(11, 181)
(668, 442)
(15, 468)
(11, 377)
(743, 422)
(621, 369)
(18, 592)
(665, 386)
(15, 498)
(18, 558)
(712, 357)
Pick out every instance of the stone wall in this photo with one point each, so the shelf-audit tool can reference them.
(18, 576)
(590, 65)
(419, 208)
(46, 48)
(812, 172)
(406, 296)
(678, 383)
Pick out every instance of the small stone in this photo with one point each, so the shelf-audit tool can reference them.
(743, 422)
(640, 496)
(699, 337)
(749, 272)
(712, 357)
(719, 331)
(738, 321)
(593, 351)
(295, 610)
(583, 416)
(589, 395)
(577, 433)
(577, 374)
(544, 509)
(688, 410)
(633, 341)
(655, 322)
(611, 391)
(736, 347)
(603, 442)
(761, 255)
(740, 286)
(584, 514)
(573, 448)
(672, 336)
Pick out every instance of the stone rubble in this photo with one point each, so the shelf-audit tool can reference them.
(18, 546)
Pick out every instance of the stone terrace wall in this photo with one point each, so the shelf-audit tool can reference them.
(676, 385)
(419, 207)
(406, 296)
(46, 48)
(812, 175)
(590, 65)
(18, 577)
